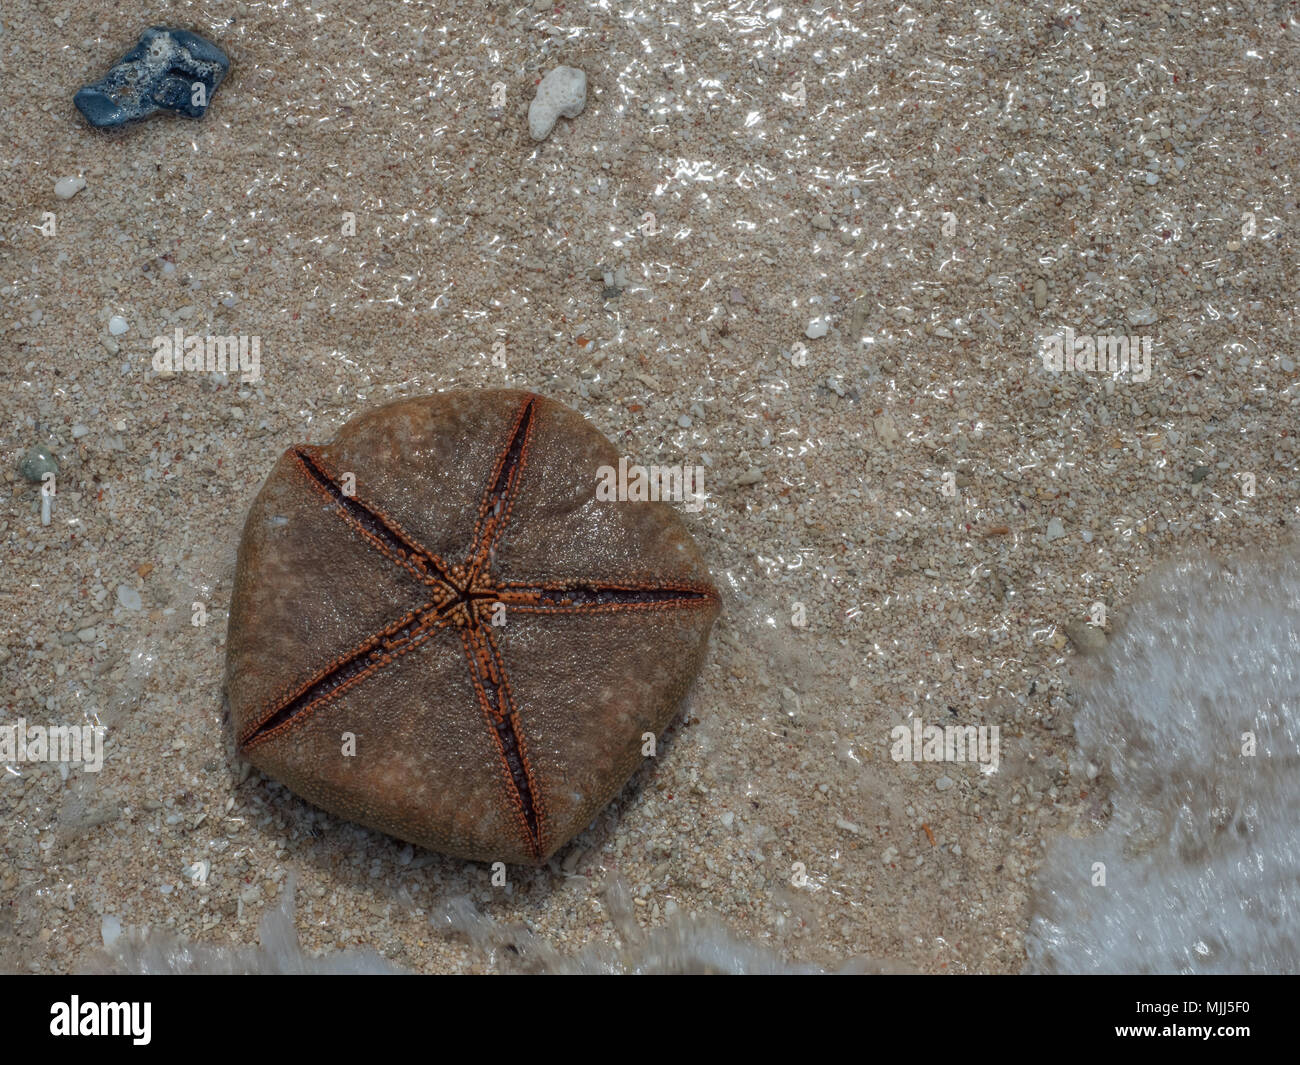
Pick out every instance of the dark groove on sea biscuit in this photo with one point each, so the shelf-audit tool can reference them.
(501, 717)
(494, 510)
(594, 595)
(371, 522)
(368, 658)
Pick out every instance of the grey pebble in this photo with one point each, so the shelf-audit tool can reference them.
(1089, 639)
(36, 462)
(858, 319)
(997, 585)
(1200, 473)
(943, 783)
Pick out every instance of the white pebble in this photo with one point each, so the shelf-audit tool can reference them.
(67, 187)
(817, 328)
(117, 325)
(1152, 178)
(684, 421)
(1055, 529)
(562, 92)
(110, 928)
(128, 597)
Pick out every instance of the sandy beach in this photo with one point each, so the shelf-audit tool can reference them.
(827, 252)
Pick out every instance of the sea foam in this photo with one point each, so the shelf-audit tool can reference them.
(1201, 852)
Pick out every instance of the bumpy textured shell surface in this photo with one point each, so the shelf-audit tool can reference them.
(495, 640)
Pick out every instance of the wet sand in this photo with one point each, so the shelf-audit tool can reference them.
(904, 513)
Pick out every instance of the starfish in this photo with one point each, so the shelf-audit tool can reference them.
(492, 709)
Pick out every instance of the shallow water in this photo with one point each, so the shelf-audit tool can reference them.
(1202, 847)
(942, 197)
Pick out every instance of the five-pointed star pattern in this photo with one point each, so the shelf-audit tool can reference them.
(468, 597)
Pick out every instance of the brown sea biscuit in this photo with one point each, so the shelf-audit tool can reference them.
(439, 631)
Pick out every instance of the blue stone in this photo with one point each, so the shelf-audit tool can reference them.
(164, 71)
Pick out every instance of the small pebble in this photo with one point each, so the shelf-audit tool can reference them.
(1040, 293)
(562, 92)
(886, 430)
(128, 597)
(1055, 529)
(110, 928)
(68, 187)
(1089, 639)
(117, 325)
(1199, 474)
(36, 462)
(159, 73)
(943, 783)
(821, 221)
(858, 319)
(817, 328)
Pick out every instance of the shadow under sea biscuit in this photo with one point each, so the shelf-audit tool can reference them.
(167, 70)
